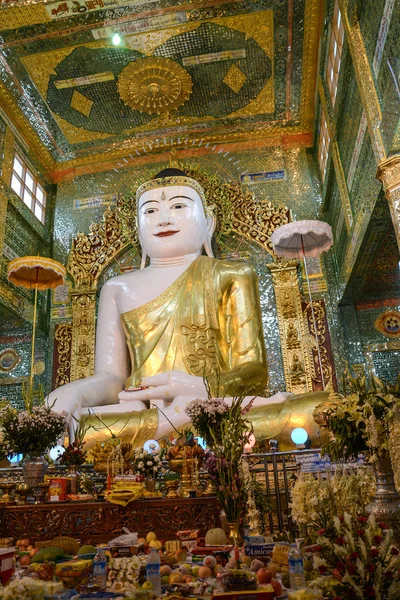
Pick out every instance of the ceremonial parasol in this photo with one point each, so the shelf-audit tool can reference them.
(302, 239)
(38, 273)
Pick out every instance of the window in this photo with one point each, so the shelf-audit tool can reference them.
(24, 183)
(335, 52)
(323, 144)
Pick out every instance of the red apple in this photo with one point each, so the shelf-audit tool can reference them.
(277, 586)
(264, 576)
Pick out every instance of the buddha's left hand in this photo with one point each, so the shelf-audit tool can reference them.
(167, 386)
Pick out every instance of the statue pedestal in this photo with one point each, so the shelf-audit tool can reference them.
(99, 522)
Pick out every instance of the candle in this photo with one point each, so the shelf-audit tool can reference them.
(108, 482)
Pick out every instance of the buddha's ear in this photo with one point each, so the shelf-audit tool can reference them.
(144, 255)
(210, 230)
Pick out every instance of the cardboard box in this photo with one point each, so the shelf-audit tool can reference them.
(255, 550)
(6, 564)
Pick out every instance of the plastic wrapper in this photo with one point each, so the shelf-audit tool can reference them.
(128, 539)
(238, 580)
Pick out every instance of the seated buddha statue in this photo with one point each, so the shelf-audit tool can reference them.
(184, 319)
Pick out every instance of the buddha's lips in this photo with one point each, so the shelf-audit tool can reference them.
(165, 233)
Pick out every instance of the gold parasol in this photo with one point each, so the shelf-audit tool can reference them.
(38, 273)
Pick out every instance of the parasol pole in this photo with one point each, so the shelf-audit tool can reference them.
(34, 330)
(312, 312)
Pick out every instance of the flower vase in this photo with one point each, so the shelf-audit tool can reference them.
(34, 469)
(385, 505)
(150, 484)
(234, 534)
(73, 478)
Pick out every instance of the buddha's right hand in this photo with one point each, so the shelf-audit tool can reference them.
(167, 386)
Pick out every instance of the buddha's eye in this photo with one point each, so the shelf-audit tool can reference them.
(179, 205)
(149, 211)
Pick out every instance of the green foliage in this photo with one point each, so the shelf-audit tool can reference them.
(361, 421)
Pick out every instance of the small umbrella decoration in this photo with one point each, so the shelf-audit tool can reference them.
(38, 273)
(301, 239)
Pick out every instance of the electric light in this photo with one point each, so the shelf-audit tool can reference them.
(151, 446)
(116, 40)
(56, 452)
(15, 459)
(202, 442)
(299, 436)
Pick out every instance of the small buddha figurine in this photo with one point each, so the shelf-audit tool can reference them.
(163, 329)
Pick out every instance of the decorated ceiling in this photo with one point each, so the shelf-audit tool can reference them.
(200, 74)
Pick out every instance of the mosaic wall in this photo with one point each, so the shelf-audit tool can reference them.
(24, 235)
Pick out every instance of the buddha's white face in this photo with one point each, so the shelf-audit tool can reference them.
(171, 221)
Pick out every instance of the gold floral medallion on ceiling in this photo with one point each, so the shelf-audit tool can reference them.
(154, 85)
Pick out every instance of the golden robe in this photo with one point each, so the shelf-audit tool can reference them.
(207, 323)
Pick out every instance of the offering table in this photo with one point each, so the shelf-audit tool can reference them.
(99, 522)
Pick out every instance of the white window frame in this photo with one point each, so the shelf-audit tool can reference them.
(32, 194)
(335, 52)
(324, 141)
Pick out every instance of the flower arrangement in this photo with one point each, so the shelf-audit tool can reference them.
(361, 422)
(207, 416)
(317, 500)
(26, 587)
(31, 432)
(74, 454)
(149, 464)
(227, 431)
(359, 555)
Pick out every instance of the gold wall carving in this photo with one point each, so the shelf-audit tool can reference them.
(8, 157)
(260, 27)
(292, 327)
(365, 80)
(6, 171)
(146, 42)
(322, 333)
(389, 175)
(154, 85)
(16, 17)
(63, 340)
(83, 334)
(312, 28)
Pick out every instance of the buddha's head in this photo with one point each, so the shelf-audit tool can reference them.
(172, 220)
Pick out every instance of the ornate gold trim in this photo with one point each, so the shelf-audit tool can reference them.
(388, 174)
(295, 356)
(8, 156)
(154, 85)
(169, 181)
(83, 334)
(312, 25)
(14, 113)
(63, 339)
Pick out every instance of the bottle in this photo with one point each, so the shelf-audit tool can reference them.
(296, 568)
(100, 569)
(153, 571)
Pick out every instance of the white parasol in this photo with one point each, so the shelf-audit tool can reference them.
(302, 239)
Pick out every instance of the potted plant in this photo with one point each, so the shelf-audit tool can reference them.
(364, 422)
(32, 432)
